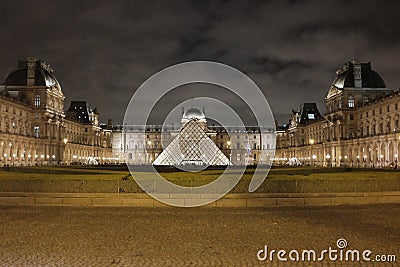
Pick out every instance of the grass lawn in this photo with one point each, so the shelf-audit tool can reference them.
(194, 178)
(106, 180)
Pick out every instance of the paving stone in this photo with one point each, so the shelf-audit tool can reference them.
(167, 236)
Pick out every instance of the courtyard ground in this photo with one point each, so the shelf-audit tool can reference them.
(101, 236)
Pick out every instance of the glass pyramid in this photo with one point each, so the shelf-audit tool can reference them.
(192, 146)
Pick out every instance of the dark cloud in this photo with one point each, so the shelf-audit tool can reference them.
(103, 50)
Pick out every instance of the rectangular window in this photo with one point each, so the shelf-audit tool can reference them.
(36, 131)
(37, 100)
(351, 103)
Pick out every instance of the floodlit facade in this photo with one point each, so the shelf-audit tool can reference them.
(359, 129)
(197, 141)
(35, 130)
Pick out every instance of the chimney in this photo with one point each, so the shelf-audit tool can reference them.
(30, 78)
(357, 74)
(109, 124)
(183, 111)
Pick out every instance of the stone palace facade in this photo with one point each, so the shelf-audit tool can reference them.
(35, 130)
(141, 145)
(359, 129)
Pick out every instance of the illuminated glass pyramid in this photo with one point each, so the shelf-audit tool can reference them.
(192, 146)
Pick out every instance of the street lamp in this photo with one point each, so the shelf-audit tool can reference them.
(381, 160)
(314, 158)
(365, 160)
(358, 161)
(327, 159)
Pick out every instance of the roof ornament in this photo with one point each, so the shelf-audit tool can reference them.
(46, 67)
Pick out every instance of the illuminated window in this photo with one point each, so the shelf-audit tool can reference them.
(351, 102)
(36, 130)
(37, 100)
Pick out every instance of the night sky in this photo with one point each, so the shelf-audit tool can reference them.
(101, 51)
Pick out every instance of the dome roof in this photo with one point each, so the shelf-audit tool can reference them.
(43, 75)
(194, 113)
(369, 77)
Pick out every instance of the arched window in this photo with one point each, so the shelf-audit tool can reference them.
(351, 101)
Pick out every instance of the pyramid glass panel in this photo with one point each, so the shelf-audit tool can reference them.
(192, 146)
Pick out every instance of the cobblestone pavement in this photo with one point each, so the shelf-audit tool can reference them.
(108, 236)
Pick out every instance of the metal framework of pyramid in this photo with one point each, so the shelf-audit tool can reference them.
(192, 146)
